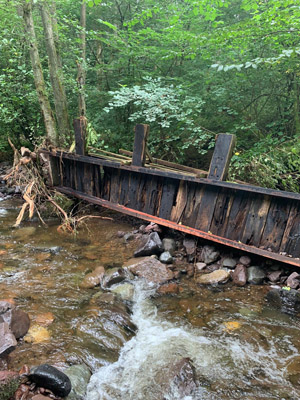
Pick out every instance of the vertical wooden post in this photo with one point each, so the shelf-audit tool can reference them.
(80, 135)
(220, 161)
(140, 142)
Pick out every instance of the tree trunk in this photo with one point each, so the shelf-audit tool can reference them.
(56, 75)
(82, 64)
(38, 74)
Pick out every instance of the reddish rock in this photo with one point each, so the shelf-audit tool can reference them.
(152, 270)
(190, 270)
(274, 276)
(200, 266)
(40, 397)
(293, 280)
(239, 275)
(93, 279)
(168, 288)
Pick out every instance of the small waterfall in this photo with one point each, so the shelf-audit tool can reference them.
(158, 344)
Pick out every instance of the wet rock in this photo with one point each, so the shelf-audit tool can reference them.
(49, 377)
(200, 266)
(255, 275)
(92, 279)
(287, 301)
(23, 233)
(45, 319)
(120, 234)
(168, 288)
(151, 270)
(274, 276)
(153, 245)
(239, 275)
(79, 376)
(293, 280)
(7, 339)
(166, 257)
(9, 382)
(37, 334)
(128, 236)
(245, 260)
(180, 380)
(112, 276)
(209, 254)
(169, 245)
(293, 370)
(19, 323)
(190, 247)
(40, 397)
(125, 291)
(5, 306)
(229, 262)
(213, 267)
(219, 276)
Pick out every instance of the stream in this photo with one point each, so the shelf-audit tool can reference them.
(240, 347)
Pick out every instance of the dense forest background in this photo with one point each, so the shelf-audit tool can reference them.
(189, 68)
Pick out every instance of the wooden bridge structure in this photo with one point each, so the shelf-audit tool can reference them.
(257, 220)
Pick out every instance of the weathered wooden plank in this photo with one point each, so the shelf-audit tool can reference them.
(188, 213)
(180, 204)
(182, 228)
(124, 187)
(97, 181)
(237, 216)
(275, 224)
(132, 190)
(221, 214)
(290, 242)
(115, 186)
(169, 189)
(80, 135)
(152, 194)
(220, 161)
(88, 180)
(140, 143)
(206, 208)
(256, 220)
(188, 178)
(105, 192)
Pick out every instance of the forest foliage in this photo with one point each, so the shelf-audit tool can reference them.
(189, 68)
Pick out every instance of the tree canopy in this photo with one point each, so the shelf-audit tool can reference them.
(189, 68)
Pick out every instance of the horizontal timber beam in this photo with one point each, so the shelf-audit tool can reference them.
(182, 228)
(174, 175)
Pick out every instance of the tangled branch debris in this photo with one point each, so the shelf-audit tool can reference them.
(28, 173)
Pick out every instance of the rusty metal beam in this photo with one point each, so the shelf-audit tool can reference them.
(182, 228)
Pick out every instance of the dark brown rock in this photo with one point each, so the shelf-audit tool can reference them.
(239, 275)
(19, 323)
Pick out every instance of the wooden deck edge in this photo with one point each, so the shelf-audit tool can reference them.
(174, 175)
(182, 228)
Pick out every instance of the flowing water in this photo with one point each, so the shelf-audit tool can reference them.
(240, 347)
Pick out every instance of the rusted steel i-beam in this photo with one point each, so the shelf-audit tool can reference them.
(182, 228)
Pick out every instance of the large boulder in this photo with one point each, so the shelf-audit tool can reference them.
(153, 245)
(152, 270)
(218, 276)
(49, 377)
(178, 381)
(79, 376)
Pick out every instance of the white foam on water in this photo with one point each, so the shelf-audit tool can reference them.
(159, 344)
